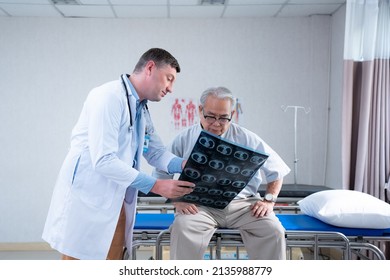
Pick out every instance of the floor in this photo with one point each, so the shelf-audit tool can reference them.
(30, 255)
(147, 254)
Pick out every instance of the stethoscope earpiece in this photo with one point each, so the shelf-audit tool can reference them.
(128, 102)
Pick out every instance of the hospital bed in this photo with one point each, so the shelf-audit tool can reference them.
(155, 216)
(302, 231)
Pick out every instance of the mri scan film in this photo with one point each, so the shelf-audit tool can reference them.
(220, 169)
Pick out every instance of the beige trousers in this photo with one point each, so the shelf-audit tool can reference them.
(264, 238)
(118, 241)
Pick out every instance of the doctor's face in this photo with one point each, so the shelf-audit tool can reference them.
(216, 115)
(161, 81)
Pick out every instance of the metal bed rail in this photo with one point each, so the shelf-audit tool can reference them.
(297, 239)
(315, 239)
(294, 239)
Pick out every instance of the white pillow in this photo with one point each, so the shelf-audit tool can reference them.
(346, 208)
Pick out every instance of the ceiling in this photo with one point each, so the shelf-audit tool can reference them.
(167, 8)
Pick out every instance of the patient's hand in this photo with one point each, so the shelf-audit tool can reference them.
(262, 208)
(185, 208)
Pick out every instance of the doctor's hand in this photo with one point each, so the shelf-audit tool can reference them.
(172, 188)
(262, 208)
(185, 208)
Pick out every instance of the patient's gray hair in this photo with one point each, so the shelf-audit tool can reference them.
(220, 93)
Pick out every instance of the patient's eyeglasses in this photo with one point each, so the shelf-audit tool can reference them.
(212, 119)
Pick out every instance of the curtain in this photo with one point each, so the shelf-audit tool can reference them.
(366, 98)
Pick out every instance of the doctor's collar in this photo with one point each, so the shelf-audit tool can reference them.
(132, 88)
(139, 104)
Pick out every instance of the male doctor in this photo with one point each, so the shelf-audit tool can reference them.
(92, 211)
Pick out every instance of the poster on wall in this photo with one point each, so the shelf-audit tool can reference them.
(220, 169)
(184, 113)
(238, 111)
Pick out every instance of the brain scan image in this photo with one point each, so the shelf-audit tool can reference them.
(208, 178)
(224, 149)
(230, 194)
(233, 169)
(216, 164)
(257, 159)
(201, 189)
(224, 181)
(206, 201)
(199, 158)
(192, 173)
(247, 172)
(241, 155)
(220, 169)
(221, 204)
(239, 184)
(191, 197)
(207, 142)
(215, 192)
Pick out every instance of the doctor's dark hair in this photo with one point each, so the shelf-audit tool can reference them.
(160, 57)
(220, 93)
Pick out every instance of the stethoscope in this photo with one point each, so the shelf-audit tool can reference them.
(128, 102)
(147, 137)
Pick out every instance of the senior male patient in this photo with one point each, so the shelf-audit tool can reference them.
(194, 225)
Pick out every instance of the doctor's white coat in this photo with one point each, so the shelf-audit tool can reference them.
(94, 180)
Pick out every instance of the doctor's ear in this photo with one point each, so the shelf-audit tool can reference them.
(149, 67)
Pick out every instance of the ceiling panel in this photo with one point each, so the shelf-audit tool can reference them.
(255, 2)
(2, 13)
(252, 11)
(94, 2)
(26, 2)
(183, 2)
(168, 8)
(139, 2)
(85, 11)
(141, 11)
(308, 10)
(309, 2)
(25, 10)
(196, 11)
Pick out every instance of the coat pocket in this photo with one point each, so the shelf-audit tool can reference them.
(91, 187)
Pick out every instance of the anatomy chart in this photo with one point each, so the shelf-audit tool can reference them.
(184, 113)
(220, 169)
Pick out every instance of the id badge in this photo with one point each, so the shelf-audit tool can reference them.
(146, 143)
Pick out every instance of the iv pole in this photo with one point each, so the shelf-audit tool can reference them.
(285, 108)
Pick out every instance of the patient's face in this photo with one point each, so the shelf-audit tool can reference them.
(215, 114)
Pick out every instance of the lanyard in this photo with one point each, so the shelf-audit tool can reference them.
(128, 101)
